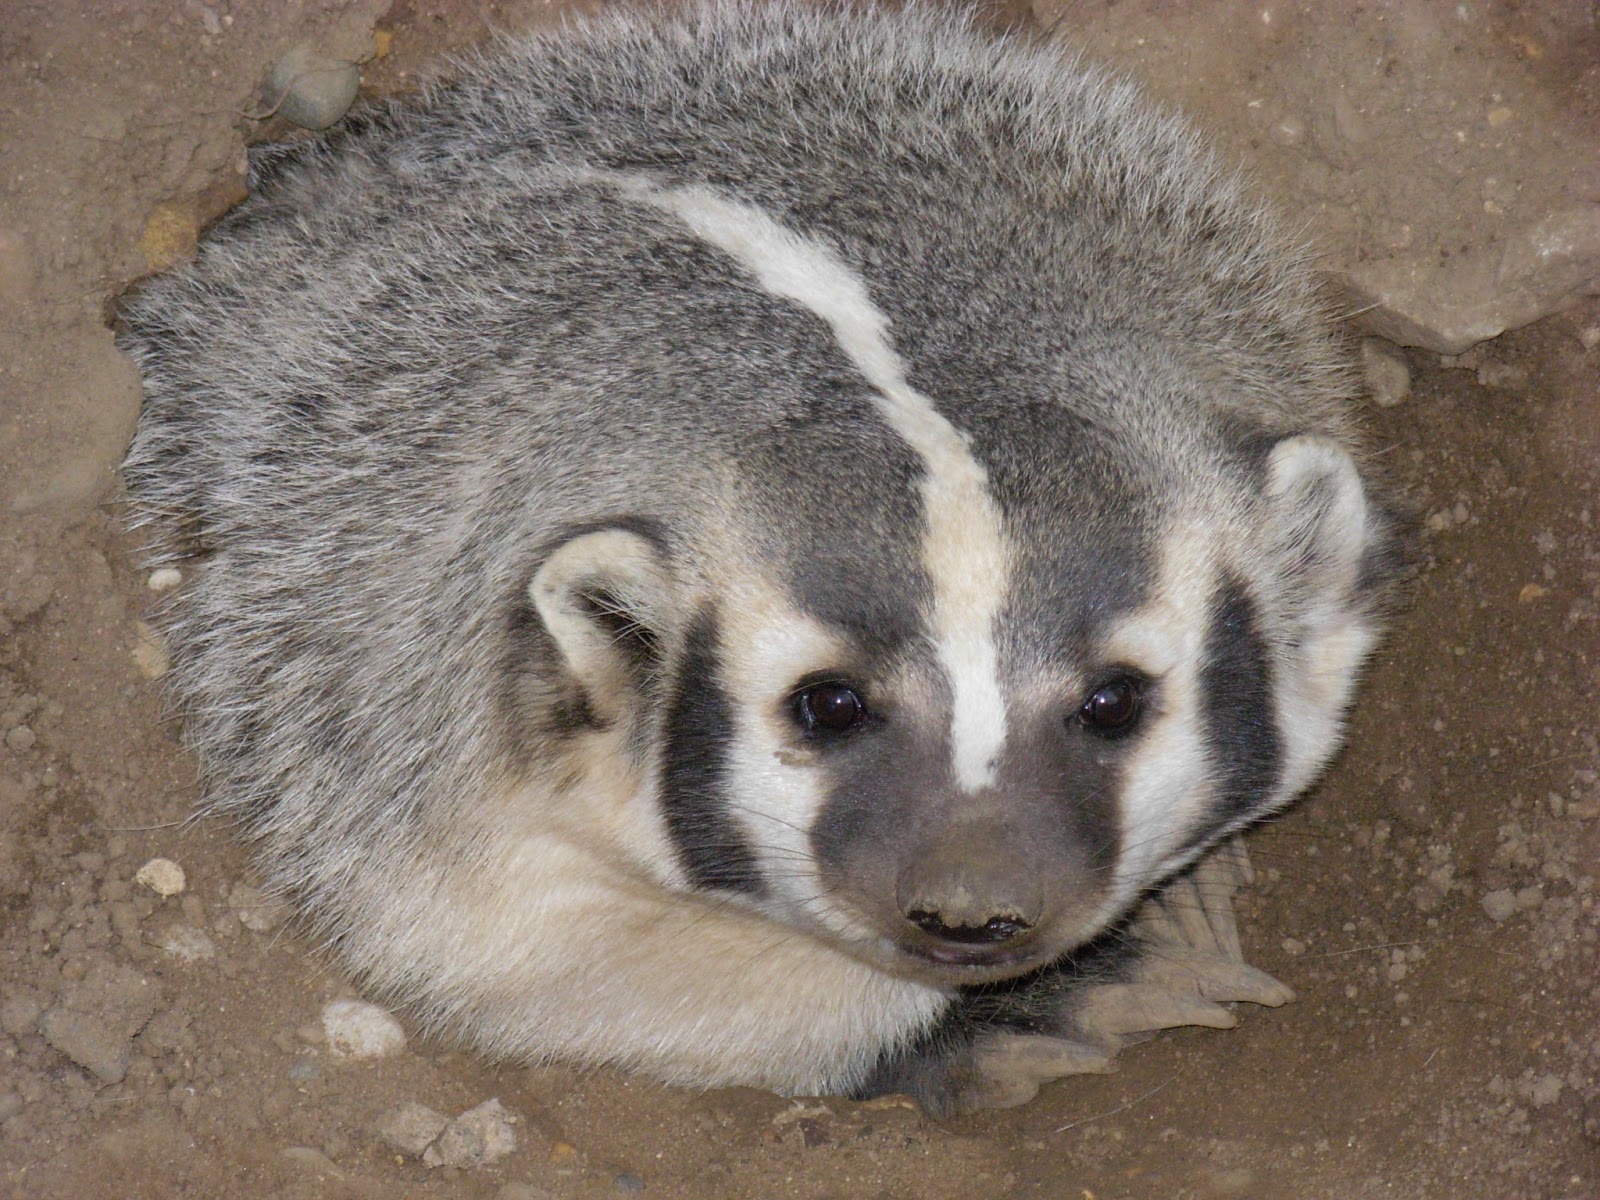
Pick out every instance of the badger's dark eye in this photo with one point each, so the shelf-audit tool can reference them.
(1114, 707)
(829, 708)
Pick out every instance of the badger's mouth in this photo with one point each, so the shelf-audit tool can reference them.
(949, 962)
(998, 961)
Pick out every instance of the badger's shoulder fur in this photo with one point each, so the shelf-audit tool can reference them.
(717, 532)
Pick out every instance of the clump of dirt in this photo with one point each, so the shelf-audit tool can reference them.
(1434, 903)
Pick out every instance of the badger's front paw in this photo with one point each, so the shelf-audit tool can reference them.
(1007, 1069)
(1189, 963)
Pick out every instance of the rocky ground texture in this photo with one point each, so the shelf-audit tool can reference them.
(165, 1032)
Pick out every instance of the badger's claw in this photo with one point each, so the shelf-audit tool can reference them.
(1191, 963)
(1009, 1068)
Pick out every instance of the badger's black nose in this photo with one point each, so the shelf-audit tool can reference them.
(965, 895)
(997, 929)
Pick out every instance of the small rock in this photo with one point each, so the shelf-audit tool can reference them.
(356, 1029)
(1530, 898)
(310, 89)
(1387, 371)
(625, 1182)
(478, 1137)
(255, 909)
(20, 739)
(411, 1128)
(162, 876)
(11, 1103)
(1500, 904)
(164, 579)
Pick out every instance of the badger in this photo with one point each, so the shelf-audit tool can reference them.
(761, 544)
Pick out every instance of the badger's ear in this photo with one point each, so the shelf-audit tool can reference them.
(1321, 520)
(1334, 557)
(609, 601)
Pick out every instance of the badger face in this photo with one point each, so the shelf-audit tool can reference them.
(953, 697)
(961, 797)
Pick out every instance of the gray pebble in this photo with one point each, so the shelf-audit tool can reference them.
(311, 90)
(476, 1138)
(356, 1029)
(411, 1128)
(628, 1183)
(1387, 371)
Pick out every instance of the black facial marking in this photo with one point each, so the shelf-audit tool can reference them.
(699, 723)
(1241, 727)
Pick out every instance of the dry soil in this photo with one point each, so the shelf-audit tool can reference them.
(1434, 901)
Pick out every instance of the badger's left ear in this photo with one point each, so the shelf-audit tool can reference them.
(1332, 545)
(1319, 514)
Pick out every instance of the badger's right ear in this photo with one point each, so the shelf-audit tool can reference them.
(609, 601)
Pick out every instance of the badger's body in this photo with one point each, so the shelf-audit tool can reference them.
(734, 545)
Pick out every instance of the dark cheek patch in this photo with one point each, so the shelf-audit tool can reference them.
(694, 770)
(1237, 686)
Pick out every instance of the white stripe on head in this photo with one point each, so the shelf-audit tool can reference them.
(963, 548)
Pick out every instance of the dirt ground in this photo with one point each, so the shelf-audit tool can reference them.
(1434, 901)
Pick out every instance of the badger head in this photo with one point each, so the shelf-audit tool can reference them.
(956, 716)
